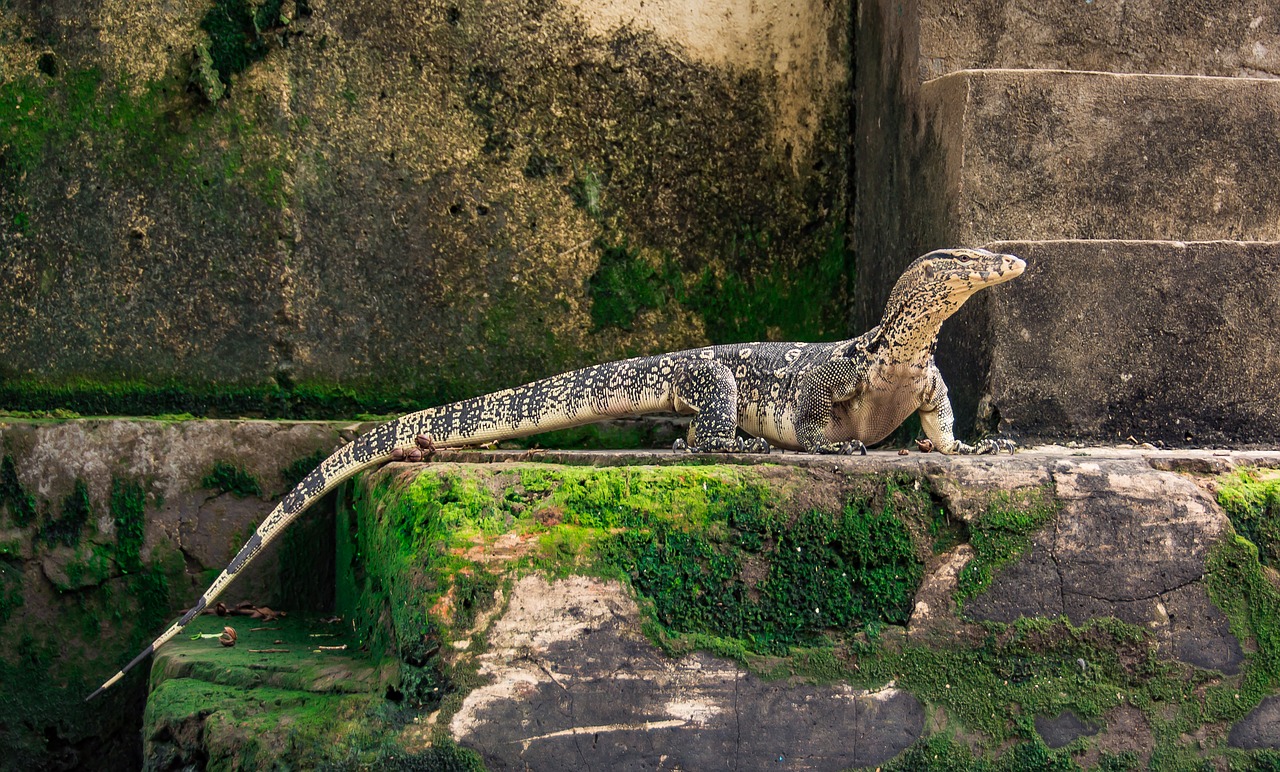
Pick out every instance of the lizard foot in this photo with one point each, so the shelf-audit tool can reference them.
(425, 450)
(725, 445)
(843, 448)
(712, 445)
(996, 445)
(988, 447)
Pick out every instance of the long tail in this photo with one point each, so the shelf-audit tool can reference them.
(627, 388)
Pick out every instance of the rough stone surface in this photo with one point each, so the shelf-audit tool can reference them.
(1064, 728)
(1235, 37)
(1129, 543)
(428, 201)
(1068, 155)
(1259, 729)
(1105, 340)
(172, 459)
(574, 685)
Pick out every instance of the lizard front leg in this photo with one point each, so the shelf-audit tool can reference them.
(818, 392)
(938, 423)
(708, 389)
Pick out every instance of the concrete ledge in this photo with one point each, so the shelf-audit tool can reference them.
(1106, 340)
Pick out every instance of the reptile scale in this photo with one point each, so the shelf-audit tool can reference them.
(814, 397)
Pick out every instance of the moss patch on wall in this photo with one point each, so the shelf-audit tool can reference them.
(20, 504)
(714, 551)
(1251, 498)
(1002, 533)
(231, 478)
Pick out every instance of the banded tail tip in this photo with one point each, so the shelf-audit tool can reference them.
(110, 682)
(147, 652)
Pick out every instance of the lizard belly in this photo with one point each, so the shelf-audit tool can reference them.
(774, 425)
(893, 395)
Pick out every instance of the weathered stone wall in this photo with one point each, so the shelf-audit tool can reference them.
(410, 204)
(1056, 125)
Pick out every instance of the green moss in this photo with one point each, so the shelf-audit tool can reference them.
(821, 573)
(1237, 584)
(233, 479)
(128, 510)
(236, 34)
(264, 727)
(76, 511)
(625, 284)
(472, 594)
(21, 505)
(942, 753)
(1001, 534)
(808, 300)
(1251, 498)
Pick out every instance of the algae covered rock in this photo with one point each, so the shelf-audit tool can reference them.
(107, 528)
(524, 667)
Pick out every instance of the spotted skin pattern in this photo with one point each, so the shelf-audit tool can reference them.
(814, 397)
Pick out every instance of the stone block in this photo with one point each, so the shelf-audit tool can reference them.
(1033, 155)
(1104, 340)
(1232, 38)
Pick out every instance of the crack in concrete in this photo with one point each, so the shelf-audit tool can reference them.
(1160, 594)
(1053, 548)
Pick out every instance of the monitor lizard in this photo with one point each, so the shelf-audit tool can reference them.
(833, 397)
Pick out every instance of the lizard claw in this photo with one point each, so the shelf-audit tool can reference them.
(843, 448)
(993, 447)
(718, 445)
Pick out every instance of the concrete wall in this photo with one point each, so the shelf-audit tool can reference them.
(419, 202)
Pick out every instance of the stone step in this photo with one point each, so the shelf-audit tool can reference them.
(1105, 340)
(1233, 37)
(1034, 155)
(1030, 154)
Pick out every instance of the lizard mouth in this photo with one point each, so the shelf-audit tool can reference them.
(1011, 267)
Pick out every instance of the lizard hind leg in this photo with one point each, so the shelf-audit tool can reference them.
(708, 389)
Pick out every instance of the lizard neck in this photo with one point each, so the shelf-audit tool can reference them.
(909, 331)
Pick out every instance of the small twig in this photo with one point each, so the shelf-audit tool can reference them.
(268, 651)
(343, 647)
(259, 629)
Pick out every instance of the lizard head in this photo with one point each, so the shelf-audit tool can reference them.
(962, 272)
(934, 287)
